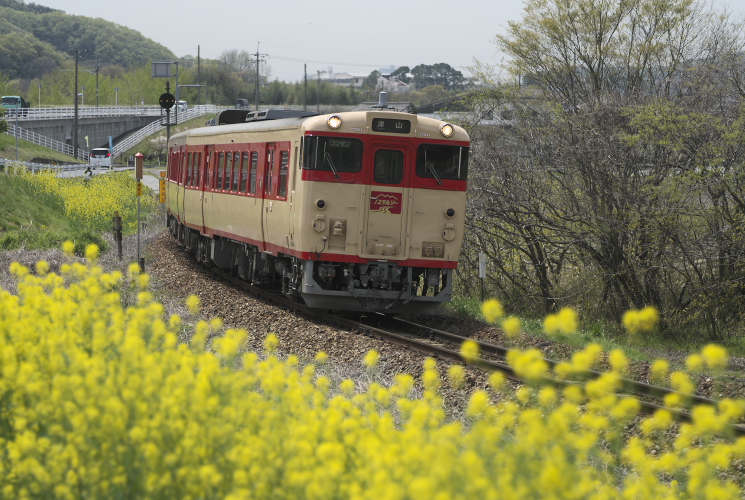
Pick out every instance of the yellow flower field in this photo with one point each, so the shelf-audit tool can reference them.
(92, 205)
(101, 401)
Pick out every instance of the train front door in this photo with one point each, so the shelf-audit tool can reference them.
(386, 202)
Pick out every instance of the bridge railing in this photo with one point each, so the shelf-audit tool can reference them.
(45, 141)
(56, 113)
(15, 167)
(122, 145)
(158, 125)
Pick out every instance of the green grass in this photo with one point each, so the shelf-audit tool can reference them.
(36, 223)
(608, 335)
(28, 151)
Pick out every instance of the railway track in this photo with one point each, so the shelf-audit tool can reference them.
(445, 345)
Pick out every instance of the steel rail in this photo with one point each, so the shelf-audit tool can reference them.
(484, 364)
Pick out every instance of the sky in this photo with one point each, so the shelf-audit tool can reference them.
(326, 35)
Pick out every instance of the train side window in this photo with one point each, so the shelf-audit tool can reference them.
(197, 170)
(228, 171)
(335, 154)
(219, 166)
(254, 168)
(442, 162)
(183, 169)
(175, 170)
(268, 170)
(236, 172)
(244, 172)
(208, 170)
(284, 165)
(189, 170)
(389, 166)
(187, 178)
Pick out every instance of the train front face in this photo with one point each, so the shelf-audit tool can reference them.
(381, 212)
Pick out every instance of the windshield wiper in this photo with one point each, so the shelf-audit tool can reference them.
(327, 158)
(431, 167)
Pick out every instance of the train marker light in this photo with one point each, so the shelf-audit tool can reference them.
(321, 204)
(333, 121)
(447, 130)
(450, 212)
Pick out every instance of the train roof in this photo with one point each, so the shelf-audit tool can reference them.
(238, 120)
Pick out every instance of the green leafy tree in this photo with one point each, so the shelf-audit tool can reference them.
(402, 74)
(372, 80)
(437, 74)
(616, 181)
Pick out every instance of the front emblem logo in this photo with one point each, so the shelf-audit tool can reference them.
(386, 203)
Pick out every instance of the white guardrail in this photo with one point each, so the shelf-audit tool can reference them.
(123, 145)
(56, 113)
(72, 170)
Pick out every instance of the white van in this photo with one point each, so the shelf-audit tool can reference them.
(101, 157)
(182, 105)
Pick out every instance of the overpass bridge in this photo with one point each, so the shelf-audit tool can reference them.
(53, 127)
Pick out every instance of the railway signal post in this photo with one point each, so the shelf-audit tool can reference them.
(138, 176)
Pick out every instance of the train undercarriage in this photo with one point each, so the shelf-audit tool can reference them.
(383, 287)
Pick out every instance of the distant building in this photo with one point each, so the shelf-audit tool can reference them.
(392, 85)
(347, 80)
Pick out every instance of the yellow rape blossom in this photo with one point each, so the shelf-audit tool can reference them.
(102, 401)
(371, 358)
(640, 320)
(695, 363)
(715, 356)
(618, 361)
(511, 326)
(492, 310)
(470, 351)
(658, 370)
(92, 252)
(456, 376)
(192, 303)
(563, 322)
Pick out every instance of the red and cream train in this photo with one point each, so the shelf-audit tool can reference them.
(360, 210)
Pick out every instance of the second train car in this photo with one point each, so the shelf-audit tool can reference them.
(352, 211)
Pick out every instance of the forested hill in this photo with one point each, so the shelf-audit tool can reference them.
(35, 40)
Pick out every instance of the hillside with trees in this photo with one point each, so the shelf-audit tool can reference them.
(35, 40)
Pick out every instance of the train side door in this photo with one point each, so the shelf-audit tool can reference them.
(386, 202)
(264, 188)
(181, 159)
(206, 196)
(275, 223)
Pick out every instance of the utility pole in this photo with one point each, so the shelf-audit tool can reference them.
(258, 59)
(97, 82)
(77, 53)
(198, 70)
(305, 87)
(318, 91)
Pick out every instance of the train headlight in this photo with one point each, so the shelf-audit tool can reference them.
(447, 130)
(333, 121)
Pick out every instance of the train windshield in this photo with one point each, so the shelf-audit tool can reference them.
(442, 162)
(336, 154)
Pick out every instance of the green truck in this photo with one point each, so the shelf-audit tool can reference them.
(15, 105)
